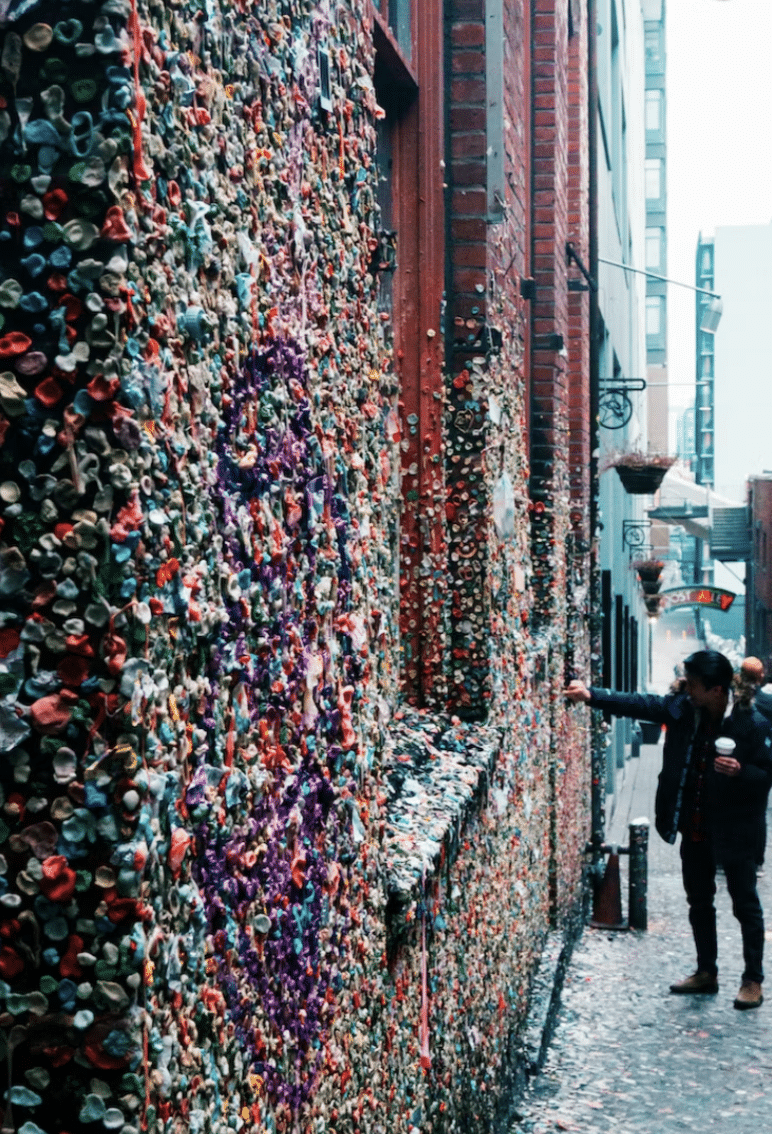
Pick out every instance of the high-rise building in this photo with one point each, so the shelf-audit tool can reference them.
(656, 186)
(656, 244)
(685, 436)
(705, 353)
(742, 395)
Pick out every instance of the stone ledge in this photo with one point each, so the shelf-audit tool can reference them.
(545, 999)
(437, 773)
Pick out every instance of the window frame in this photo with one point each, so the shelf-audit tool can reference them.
(648, 167)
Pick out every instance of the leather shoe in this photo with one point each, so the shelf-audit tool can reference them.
(698, 982)
(749, 995)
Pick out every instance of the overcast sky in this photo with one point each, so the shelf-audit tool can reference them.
(719, 139)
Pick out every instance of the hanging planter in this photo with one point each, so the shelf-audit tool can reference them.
(653, 604)
(649, 570)
(641, 473)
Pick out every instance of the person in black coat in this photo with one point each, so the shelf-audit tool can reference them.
(716, 802)
(747, 694)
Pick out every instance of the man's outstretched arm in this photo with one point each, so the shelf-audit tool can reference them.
(640, 706)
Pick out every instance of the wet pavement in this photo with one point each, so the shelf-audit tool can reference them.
(629, 1056)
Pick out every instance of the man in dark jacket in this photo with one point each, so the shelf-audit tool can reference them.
(716, 802)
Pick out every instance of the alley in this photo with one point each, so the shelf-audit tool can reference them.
(629, 1056)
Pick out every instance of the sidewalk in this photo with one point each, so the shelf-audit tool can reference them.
(629, 1056)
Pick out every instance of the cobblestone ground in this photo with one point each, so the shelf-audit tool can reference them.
(627, 1056)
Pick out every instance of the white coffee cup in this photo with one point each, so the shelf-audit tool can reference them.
(725, 746)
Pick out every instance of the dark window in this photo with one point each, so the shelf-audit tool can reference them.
(398, 15)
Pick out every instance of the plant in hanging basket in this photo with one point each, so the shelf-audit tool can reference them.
(649, 570)
(641, 473)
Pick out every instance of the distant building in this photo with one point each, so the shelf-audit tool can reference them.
(758, 606)
(685, 437)
(743, 399)
(733, 406)
(656, 244)
(656, 194)
(704, 469)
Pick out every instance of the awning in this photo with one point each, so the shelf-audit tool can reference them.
(722, 523)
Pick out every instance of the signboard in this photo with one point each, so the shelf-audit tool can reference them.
(697, 596)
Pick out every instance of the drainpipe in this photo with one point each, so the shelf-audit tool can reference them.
(598, 757)
(447, 104)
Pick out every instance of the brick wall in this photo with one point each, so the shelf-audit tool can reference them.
(759, 603)
(198, 440)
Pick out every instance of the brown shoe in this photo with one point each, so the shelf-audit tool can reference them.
(697, 983)
(749, 995)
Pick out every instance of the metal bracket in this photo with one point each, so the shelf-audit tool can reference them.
(573, 255)
(615, 407)
(634, 533)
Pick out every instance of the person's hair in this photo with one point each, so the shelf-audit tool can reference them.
(711, 668)
(747, 681)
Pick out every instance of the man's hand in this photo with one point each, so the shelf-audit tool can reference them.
(727, 765)
(577, 692)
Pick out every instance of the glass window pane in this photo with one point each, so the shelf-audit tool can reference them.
(653, 111)
(652, 9)
(653, 41)
(400, 24)
(653, 245)
(653, 170)
(653, 314)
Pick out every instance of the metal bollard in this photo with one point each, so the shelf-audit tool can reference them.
(638, 873)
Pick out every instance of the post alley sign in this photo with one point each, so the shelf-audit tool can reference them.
(697, 596)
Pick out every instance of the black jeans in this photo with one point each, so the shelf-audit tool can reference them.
(698, 867)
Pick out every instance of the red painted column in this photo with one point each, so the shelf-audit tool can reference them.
(419, 363)
(550, 379)
(578, 339)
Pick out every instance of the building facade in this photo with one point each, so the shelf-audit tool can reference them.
(655, 124)
(758, 603)
(733, 445)
(622, 341)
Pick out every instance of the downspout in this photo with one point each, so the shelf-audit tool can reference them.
(448, 307)
(597, 817)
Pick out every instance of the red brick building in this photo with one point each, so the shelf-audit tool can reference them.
(298, 484)
(758, 601)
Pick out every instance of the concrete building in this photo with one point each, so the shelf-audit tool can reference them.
(623, 346)
(655, 123)
(732, 440)
(743, 399)
(705, 370)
